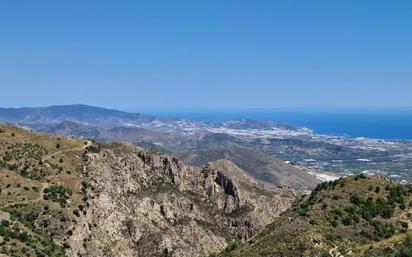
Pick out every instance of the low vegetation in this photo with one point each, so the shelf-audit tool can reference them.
(32, 194)
(18, 241)
(349, 215)
(44, 190)
(57, 194)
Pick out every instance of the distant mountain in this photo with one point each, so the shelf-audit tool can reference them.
(127, 134)
(85, 114)
(41, 117)
(71, 128)
(198, 149)
(195, 142)
(255, 124)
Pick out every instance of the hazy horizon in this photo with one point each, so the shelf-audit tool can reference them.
(166, 111)
(379, 123)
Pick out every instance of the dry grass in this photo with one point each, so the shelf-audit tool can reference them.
(30, 163)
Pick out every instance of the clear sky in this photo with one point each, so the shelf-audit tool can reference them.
(206, 54)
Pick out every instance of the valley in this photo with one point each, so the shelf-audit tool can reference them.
(297, 147)
(61, 196)
(108, 183)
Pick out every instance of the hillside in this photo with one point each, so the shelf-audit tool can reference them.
(354, 216)
(184, 138)
(199, 150)
(259, 165)
(61, 196)
(85, 114)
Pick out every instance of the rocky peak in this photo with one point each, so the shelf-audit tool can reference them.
(198, 210)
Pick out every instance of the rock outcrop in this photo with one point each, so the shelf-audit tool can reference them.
(144, 204)
(63, 196)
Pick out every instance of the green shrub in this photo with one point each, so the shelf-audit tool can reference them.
(93, 149)
(383, 229)
(356, 200)
(57, 194)
(313, 222)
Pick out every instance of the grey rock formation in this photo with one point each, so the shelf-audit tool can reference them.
(145, 204)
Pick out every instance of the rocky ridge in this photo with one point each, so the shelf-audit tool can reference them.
(63, 196)
(149, 205)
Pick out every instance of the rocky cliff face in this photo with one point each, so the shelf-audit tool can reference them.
(67, 197)
(144, 204)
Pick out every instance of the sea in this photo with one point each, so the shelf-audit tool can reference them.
(379, 123)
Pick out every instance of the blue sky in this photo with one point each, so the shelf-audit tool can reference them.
(180, 55)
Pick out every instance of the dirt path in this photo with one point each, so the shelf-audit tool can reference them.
(46, 184)
(38, 199)
(83, 147)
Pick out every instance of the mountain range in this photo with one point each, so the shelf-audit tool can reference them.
(65, 196)
(194, 142)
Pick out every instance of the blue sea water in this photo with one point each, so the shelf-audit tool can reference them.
(379, 123)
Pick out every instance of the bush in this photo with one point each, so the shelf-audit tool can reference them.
(93, 149)
(334, 223)
(396, 194)
(356, 200)
(405, 249)
(27, 218)
(303, 211)
(383, 229)
(230, 248)
(313, 222)
(76, 213)
(57, 194)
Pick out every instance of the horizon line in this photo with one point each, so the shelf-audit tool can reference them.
(225, 109)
